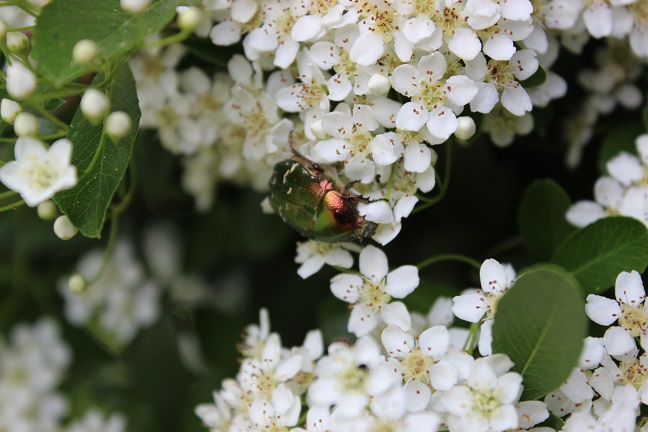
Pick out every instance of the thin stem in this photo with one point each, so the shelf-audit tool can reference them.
(114, 227)
(443, 184)
(123, 205)
(12, 206)
(449, 257)
(49, 116)
(471, 341)
(7, 194)
(178, 37)
(59, 94)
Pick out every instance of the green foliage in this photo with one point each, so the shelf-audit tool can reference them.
(540, 324)
(541, 218)
(596, 254)
(538, 78)
(621, 138)
(62, 23)
(86, 204)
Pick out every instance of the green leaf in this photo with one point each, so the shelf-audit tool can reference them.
(62, 23)
(538, 78)
(86, 204)
(596, 254)
(541, 218)
(621, 138)
(540, 324)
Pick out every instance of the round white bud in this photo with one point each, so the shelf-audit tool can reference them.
(9, 110)
(47, 210)
(21, 82)
(317, 129)
(63, 228)
(26, 124)
(379, 84)
(76, 283)
(84, 51)
(465, 128)
(188, 18)
(118, 124)
(17, 41)
(94, 105)
(134, 7)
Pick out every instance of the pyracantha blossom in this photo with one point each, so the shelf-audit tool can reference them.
(38, 172)
(371, 291)
(628, 309)
(349, 376)
(480, 304)
(486, 401)
(420, 362)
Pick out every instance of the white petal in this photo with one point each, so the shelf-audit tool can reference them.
(404, 80)
(344, 287)
(462, 89)
(396, 314)
(618, 341)
(598, 19)
(443, 376)
(417, 395)
(243, 10)
(402, 281)
(516, 100)
(286, 53)
(377, 211)
(516, 10)
(339, 87)
(338, 124)
(499, 47)
(469, 307)
(442, 123)
(382, 149)
(464, 44)
(397, 342)
(362, 320)
(583, 213)
(331, 150)
(418, 28)
(404, 207)
(306, 27)
(485, 99)
(363, 117)
(486, 338)
(434, 341)
(592, 354)
(373, 263)
(310, 266)
(367, 49)
(626, 168)
(324, 54)
(629, 288)
(418, 157)
(602, 310)
(412, 116)
(608, 192)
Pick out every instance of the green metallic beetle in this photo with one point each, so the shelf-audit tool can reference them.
(312, 203)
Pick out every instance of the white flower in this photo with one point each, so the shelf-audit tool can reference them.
(628, 309)
(486, 402)
(118, 124)
(84, 51)
(9, 110)
(26, 124)
(349, 376)
(38, 173)
(63, 228)
(420, 363)
(135, 7)
(371, 291)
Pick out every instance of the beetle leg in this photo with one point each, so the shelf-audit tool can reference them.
(301, 158)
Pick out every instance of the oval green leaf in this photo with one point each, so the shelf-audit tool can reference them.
(541, 218)
(540, 324)
(596, 254)
(62, 23)
(86, 204)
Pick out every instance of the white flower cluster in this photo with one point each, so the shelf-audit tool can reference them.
(32, 365)
(623, 192)
(606, 390)
(415, 380)
(120, 301)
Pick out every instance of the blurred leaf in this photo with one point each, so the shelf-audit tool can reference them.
(62, 23)
(538, 78)
(541, 218)
(205, 50)
(596, 254)
(621, 138)
(540, 324)
(424, 296)
(86, 204)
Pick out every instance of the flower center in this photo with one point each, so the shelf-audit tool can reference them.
(353, 378)
(633, 319)
(499, 73)
(450, 19)
(415, 366)
(373, 294)
(633, 372)
(42, 175)
(486, 403)
(640, 11)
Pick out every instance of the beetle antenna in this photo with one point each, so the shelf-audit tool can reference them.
(300, 157)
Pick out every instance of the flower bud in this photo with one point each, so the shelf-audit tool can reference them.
(317, 129)
(47, 210)
(9, 110)
(188, 18)
(94, 105)
(21, 82)
(84, 51)
(379, 84)
(64, 229)
(17, 41)
(118, 124)
(466, 128)
(26, 124)
(76, 283)
(134, 7)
